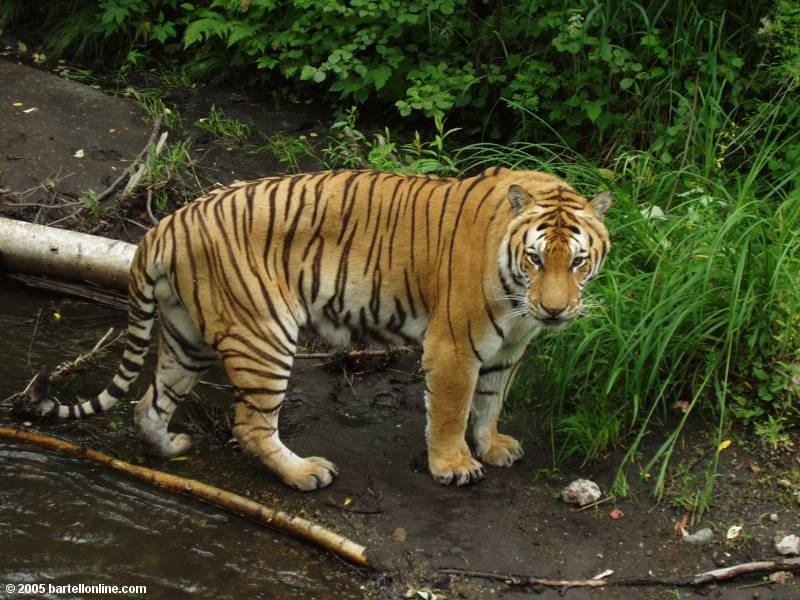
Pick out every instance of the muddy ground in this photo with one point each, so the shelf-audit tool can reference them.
(367, 416)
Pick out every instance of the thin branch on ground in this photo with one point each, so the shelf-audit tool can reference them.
(277, 519)
(342, 355)
(65, 368)
(333, 357)
(723, 574)
(127, 172)
(142, 170)
(593, 504)
(149, 206)
(33, 336)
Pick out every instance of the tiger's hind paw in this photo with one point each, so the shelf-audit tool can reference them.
(503, 451)
(180, 443)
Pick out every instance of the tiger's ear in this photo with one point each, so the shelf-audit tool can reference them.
(600, 204)
(519, 198)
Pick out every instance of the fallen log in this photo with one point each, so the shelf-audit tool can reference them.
(251, 509)
(29, 248)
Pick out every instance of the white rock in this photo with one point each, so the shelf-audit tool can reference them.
(581, 492)
(789, 544)
(700, 537)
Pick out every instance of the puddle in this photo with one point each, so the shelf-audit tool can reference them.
(67, 521)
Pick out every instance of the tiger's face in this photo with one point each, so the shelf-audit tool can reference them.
(556, 246)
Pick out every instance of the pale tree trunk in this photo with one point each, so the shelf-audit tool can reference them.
(69, 255)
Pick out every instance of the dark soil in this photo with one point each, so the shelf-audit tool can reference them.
(367, 416)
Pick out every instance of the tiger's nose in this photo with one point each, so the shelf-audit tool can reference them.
(553, 312)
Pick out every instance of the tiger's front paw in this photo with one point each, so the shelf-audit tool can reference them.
(311, 474)
(459, 468)
(501, 451)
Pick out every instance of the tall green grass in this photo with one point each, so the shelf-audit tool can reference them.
(703, 281)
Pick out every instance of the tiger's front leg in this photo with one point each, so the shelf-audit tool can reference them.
(450, 377)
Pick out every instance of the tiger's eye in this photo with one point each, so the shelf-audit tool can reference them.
(579, 260)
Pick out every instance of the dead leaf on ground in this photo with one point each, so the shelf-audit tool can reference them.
(400, 535)
(681, 525)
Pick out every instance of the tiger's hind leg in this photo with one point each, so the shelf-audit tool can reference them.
(494, 381)
(182, 359)
(258, 367)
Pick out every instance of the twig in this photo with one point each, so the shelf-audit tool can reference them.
(251, 509)
(355, 511)
(136, 177)
(33, 336)
(764, 566)
(149, 206)
(331, 355)
(66, 367)
(593, 504)
(62, 370)
(100, 295)
(356, 353)
(126, 173)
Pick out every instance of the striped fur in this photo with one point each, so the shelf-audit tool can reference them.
(472, 269)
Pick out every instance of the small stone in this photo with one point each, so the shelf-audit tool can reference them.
(785, 483)
(700, 537)
(788, 545)
(581, 492)
(782, 577)
(773, 517)
(399, 535)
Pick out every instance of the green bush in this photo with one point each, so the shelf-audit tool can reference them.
(595, 75)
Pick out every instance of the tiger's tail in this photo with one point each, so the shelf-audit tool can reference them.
(141, 315)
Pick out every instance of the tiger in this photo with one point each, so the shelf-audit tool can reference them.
(471, 269)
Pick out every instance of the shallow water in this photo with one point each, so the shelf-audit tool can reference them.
(64, 520)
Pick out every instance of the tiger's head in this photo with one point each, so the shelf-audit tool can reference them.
(555, 245)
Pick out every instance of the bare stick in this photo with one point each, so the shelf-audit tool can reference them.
(593, 504)
(66, 367)
(33, 336)
(356, 353)
(764, 566)
(149, 206)
(140, 172)
(251, 509)
(333, 356)
(126, 173)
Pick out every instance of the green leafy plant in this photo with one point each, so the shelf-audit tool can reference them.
(89, 200)
(224, 127)
(289, 150)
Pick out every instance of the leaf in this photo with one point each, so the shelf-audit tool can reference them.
(724, 444)
(593, 110)
(380, 75)
(307, 72)
(79, 153)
